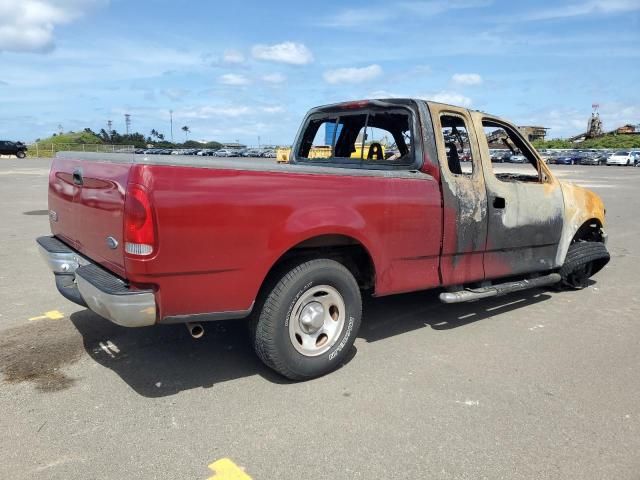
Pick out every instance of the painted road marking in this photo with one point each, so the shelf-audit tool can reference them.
(225, 469)
(51, 315)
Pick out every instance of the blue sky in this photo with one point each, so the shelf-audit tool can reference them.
(242, 69)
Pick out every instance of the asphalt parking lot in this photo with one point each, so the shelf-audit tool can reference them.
(536, 385)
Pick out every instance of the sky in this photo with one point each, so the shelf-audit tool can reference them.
(249, 70)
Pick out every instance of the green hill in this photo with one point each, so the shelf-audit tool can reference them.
(622, 142)
(72, 137)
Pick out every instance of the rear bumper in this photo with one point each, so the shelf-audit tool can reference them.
(81, 281)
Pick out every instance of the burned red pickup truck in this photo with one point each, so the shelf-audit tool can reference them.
(390, 207)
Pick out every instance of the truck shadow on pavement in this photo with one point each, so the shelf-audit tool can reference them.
(395, 315)
(164, 360)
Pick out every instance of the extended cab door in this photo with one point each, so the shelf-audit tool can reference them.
(525, 204)
(463, 195)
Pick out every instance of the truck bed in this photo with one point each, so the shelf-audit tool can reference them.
(223, 223)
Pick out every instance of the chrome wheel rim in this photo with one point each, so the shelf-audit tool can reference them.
(317, 320)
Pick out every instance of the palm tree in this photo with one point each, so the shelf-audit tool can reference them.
(186, 131)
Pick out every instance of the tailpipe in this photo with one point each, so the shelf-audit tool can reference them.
(195, 330)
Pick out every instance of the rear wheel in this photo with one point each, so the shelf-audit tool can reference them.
(583, 260)
(308, 320)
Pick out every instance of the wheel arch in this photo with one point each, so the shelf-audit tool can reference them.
(344, 248)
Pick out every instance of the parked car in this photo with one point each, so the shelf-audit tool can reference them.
(252, 152)
(223, 152)
(594, 158)
(621, 158)
(294, 247)
(569, 159)
(636, 157)
(7, 147)
(517, 159)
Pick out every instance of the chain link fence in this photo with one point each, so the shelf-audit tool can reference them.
(50, 149)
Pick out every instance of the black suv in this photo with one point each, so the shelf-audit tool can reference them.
(18, 149)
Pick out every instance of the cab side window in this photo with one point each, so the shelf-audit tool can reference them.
(512, 159)
(455, 136)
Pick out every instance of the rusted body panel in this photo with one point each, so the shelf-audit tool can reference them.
(581, 206)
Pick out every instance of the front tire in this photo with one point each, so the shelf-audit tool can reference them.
(21, 154)
(308, 319)
(583, 260)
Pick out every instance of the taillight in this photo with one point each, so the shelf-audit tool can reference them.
(139, 229)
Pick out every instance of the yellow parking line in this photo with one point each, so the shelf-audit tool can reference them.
(51, 315)
(225, 469)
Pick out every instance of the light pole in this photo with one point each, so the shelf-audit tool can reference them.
(171, 123)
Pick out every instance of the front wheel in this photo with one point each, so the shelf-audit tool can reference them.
(21, 154)
(308, 320)
(583, 260)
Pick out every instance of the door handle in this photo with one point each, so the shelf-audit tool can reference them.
(77, 177)
(498, 202)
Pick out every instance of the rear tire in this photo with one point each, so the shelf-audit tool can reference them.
(308, 319)
(583, 260)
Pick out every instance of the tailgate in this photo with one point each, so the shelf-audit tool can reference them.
(86, 203)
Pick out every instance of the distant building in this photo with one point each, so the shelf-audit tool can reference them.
(532, 133)
(627, 130)
(233, 145)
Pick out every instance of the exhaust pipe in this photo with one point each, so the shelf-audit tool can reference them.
(195, 330)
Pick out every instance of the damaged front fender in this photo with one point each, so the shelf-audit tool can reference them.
(581, 207)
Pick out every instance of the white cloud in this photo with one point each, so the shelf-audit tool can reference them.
(213, 111)
(355, 18)
(286, 52)
(436, 7)
(451, 98)
(28, 25)
(593, 7)
(235, 79)
(175, 93)
(352, 75)
(273, 109)
(375, 16)
(274, 78)
(466, 79)
(233, 56)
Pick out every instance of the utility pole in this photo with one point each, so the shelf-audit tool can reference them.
(258, 141)
(171, 123)
(127, 122)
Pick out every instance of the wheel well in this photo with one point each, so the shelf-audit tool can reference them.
(346, 250)
(590, 231)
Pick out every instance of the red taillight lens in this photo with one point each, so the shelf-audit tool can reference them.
(139, 229)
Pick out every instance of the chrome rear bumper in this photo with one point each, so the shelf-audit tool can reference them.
(85, 283)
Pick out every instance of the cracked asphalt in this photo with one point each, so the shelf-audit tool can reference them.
(535, 385)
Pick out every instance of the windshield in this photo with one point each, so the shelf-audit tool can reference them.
(621, 154)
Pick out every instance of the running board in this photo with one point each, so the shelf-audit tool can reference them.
(469, 294)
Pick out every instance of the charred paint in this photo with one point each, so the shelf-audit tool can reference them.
(464, 206)
(580, 206)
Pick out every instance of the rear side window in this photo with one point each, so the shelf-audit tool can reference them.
(378, 137)
(455, 136)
